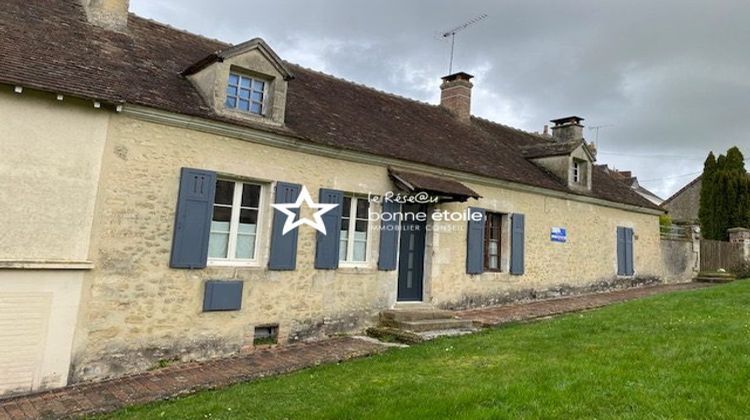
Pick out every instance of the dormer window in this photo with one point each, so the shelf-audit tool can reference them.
(577, 172)
(246, 94)
(245, 81)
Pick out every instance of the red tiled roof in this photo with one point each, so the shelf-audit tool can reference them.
(49, 45)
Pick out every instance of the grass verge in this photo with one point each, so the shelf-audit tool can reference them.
(684, 354)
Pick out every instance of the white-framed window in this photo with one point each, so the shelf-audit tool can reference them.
(235, 223)
(576, 171)
(246, 94)
(354, 230)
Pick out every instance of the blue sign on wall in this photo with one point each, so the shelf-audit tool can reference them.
(559, 234)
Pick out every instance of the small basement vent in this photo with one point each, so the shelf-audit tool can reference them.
(266, 335)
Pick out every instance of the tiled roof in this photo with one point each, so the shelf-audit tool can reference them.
(49, 45)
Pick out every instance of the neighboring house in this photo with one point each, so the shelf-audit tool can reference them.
(139, 164)
(683, 206)
(632, 181)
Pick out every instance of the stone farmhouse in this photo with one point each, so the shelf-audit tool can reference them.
(139, 165)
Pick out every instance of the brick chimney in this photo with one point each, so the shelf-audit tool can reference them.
(455, 94)
(109, 14)
(567, 129)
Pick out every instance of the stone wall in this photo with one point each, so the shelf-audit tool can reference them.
(681, 259)
(138, 310)
(587, 258)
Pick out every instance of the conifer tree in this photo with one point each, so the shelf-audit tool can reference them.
(725, 195)
(706, 209)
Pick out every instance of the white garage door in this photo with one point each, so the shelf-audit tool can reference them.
(23, 330)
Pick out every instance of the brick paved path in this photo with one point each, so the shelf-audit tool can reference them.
(497, 315)
(182, 379)
(189, 377)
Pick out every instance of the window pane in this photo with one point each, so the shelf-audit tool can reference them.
(345, 227)
(259, 85)
(232, 91)
(224, 192)
(234, 79)
(256, 108)
(257, 97)
(245, 82)
(347, 206)
(362, 206)
(244, 93)
(342, 247)
(222, 214)
(359, 251)
(244, 105)
(495, 221)
(493, 248)
(245, 247)
(248, 220)
(218, 244)
(250, 195)
(360, 236)
(493, 263)
(231, 103)
(360, 226)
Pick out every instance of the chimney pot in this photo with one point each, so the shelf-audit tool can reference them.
(108, 14)
(567, 129)
(455, 94)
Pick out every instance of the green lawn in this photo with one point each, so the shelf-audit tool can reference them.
(685, 354)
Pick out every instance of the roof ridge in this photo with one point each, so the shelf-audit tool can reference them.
(362, 85)
(334, 77)
(409, 99)
(183, 31)
(682, 190)
(537, 135)
(319, 72)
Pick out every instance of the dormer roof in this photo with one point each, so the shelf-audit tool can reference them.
(235, 50)
(554, 148)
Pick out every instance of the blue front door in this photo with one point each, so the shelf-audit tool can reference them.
(411, 254)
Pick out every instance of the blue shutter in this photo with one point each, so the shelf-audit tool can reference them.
(475, 243)
(389, 237)
(284, 247)
(517, 246)
(193, 219)
(629, 269)
(222, 296)
(327, 246)
(621, 252)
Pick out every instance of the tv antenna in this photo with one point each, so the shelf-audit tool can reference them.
(452, 33)
(596, 131)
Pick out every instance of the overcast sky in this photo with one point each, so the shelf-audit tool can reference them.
(669, 80)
